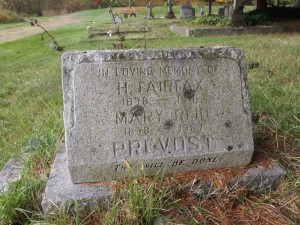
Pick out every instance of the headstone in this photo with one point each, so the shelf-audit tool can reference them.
(221, 11)
(150, 14)
(171, 110)
(170, 14)
(202, 10)
(186, 11)
(118, 19)
(237, 15)
(226, 10)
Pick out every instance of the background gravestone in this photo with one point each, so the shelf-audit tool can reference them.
(150, 14)
(226, 10)
(186, 11)
(202, 10)
(221, 11)
(172, 109)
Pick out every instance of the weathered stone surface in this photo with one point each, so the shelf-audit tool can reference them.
(60, 191)
(188, 32)
(187, 11)
(259, 179)
(174, 109)
(11, 172)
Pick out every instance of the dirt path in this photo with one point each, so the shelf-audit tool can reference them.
(12, 34)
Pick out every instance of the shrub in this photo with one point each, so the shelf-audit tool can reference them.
(272, 13)
(114, 3)
(78, 5)
(210, 20)
(256, 18)
(7, 16)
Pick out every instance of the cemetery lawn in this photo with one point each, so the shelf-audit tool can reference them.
(31, 107)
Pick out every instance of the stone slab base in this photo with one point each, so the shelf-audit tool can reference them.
(60, 191)
(261, 175)
(188, 32)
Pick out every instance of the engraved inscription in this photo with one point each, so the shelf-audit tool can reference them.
(174, 163)
(161, 146)
(140, 71)
(142, 119)
(188, 87)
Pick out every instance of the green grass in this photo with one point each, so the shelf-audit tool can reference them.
(31, 96)
(24, 21)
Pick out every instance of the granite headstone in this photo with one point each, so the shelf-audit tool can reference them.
(166, 109)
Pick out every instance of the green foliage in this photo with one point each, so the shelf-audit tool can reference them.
(210, 20)
(32, 7)
(7, 16)
(278, 13)
(256, 18)
(114, 3)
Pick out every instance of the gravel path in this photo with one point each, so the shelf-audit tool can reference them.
(12, 34)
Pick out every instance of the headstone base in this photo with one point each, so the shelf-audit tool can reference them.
(170, 15)
(263, 174)
(150, 18)
(60, 191)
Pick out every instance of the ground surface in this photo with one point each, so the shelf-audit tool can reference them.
(12, 34)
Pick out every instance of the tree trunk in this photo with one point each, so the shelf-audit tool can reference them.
(261, 4)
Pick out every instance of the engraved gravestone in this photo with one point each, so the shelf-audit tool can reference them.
(168, 109)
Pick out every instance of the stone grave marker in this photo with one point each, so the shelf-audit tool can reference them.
(170, 14)
(150, 14)
(237, 12)
(226, 10)
(221, 11)
(166, 109)
(186, 11)
(202, 10)
(118, 19)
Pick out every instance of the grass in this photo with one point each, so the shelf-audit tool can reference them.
(31, 107)
(23, 22)
(139, 201)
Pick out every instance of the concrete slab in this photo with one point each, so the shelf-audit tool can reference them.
(198, 32)
(263, 174)
(61, 191)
